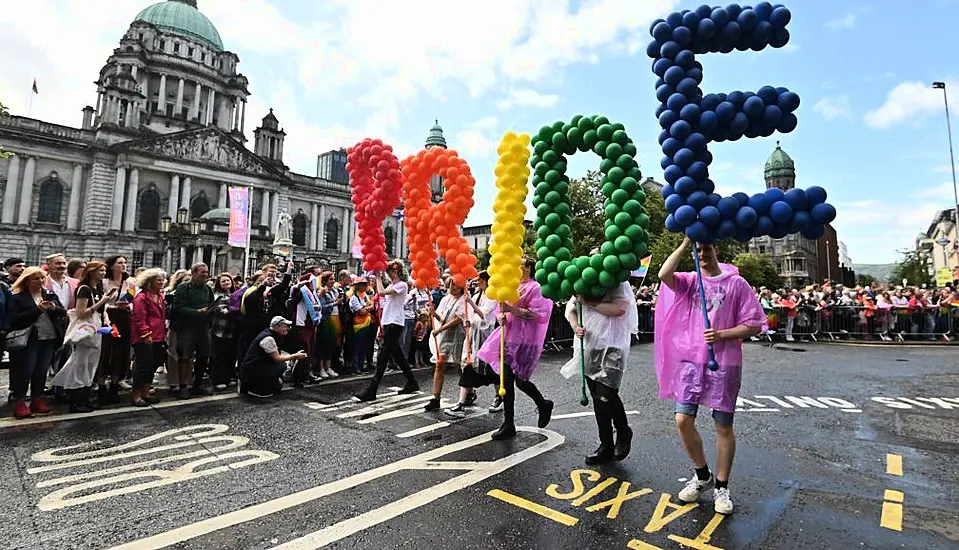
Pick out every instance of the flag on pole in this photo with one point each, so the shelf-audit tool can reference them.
(239, 217)
(643, 267)
(35, 86)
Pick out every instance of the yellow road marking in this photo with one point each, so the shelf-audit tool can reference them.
(894, 464)
(893, 496)
(538, 509)
(637, 544)
(891, 516)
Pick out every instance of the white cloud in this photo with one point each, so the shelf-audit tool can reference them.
(527, 98)
(832, 108)
(847, 21)
(478, 139)
(944, 169)
(908, 102)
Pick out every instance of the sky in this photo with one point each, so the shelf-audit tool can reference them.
(871, 131)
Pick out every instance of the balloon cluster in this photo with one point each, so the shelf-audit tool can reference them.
(376, 182)
(506, 250)
(427, 223)
(690, 121)
(559, 274)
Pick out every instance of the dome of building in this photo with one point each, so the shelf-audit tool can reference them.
(436, 138)
(183, 18)
(780, 165)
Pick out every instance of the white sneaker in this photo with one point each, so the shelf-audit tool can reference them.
(220, 387)
(694, 488)
(332, 373)
(323, 374)
(123, 385)
(722, 502)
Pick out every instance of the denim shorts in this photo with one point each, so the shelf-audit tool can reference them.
(690, 409)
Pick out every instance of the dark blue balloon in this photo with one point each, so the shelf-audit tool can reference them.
(706, 28)
(797, 199)
(800, 222)
(714, 199)
(688, 87)
(704, 10)
(685, 186)
(699, 233)
(685, 59)
(660, 109)
(728, 207)
(672, 225)
(671, 145)
(710, 216)
(732, 32)
(670, 49)
(769, 95)
(727, 229)
(788, 123)
(774, 194)
(665, 163)
(780, 38)
(668, 118)
(706, 157)
(684, 158)
(710, 102)
(652, 49)
(659, 82)
(789, 101)
(695, 74)
(772, 116)
(674, 75)
(708, 122)
(690, 113)
(676, 102)
(652, 26)
(734, 10)
(781, 212)
(763, 10)
(662, 32)
(780, 17)
(680, 130)
(673, 202)
(725, 112)
(707, 186)
(764, 226)
(691, 20)
(741, 198)
(813, 232)
(696, 142)
(754, 130)
(779, 231)
(763, 33)
(744, 236)
(720, 16)
(667, 190)
(698, 200)
(816, 195)
(736, 98)
(674, 19)
(698, 171)
(740, 123)
(663, 92)
(660, 66)
(682, 36)
(746, 217)
(685, 215)
(823, 213)
(672, 173)
(753, 107)
(748, 19)
(663, 136)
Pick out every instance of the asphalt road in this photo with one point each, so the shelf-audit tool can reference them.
(838, 447)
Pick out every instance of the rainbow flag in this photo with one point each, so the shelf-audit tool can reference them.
(129, 295)
(643, 267)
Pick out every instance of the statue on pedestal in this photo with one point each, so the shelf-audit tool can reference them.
(283, 242)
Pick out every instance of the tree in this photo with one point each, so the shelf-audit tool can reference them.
(586, 202)
(4, 113)
(914, 268)
(482, 259)
(757, 270)
(865, 280)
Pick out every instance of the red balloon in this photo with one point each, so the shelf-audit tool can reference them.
(375, 178)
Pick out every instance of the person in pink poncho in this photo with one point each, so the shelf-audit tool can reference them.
(525, 323)
(681, 354)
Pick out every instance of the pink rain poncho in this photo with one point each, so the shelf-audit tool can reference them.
(680, 350)
(524, 337)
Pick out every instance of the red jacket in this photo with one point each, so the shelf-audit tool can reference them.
(148, 315)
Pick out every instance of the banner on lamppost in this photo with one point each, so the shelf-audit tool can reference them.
(239, 217)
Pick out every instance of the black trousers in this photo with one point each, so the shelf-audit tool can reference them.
(608, 409)
(392, 348)
(147, 358)
(509, 400)
(224, 359)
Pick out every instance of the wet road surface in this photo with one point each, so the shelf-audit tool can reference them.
(838, 447)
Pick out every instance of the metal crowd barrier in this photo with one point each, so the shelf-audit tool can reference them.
(853, 323)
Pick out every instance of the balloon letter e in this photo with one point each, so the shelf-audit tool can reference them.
(690, 121)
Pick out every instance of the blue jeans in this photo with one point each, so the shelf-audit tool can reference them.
(362, 345)
(406, 340)
(29, 366)
(690, 409)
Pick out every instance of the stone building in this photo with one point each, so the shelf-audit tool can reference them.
(157, 153)
(795, 257)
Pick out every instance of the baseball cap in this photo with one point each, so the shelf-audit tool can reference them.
(277, 321)
(12, 262)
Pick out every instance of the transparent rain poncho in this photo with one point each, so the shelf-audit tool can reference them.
(607, 339)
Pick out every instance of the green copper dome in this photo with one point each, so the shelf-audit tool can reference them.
(436, 138)
(181, 17)
(780, 165)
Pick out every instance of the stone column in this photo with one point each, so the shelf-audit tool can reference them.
(99, 103)
(398, 234)
(243, 119)
(213, 266)
(10, 191)
(26, 199)
(161, 96)
(133, 193)
(145, 89)
(265, 209)
(119, 187)
(168, 263)
(321, 233)
(345, 231)
(128, 117)
(274, 210)
(314, 223)
(183, 259)
(73, 212)
(133, 71)
(195, 109)
(236, 114)
(187, 194)
(174, 196)
(211, 102)
(221, 198)
(179, 100)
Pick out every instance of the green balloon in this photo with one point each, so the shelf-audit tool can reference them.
(624, 221)
(617, 126)
(606, 165)
(545, 230)
(607, 280)
(600, 147)
(541, 276)
(633, 208)
(607, 248)
(590, 138)
(620, 137)
(585, 124)
(540, 147)
(628, 261)
(553, 279)
(634, 232)
(619, 197)
(579, 287)
(575, 136)
(642, 220)
(575, 120)
(590, 276)
(560, 166)
(581, 263)
(534, 160)
(542, 189)
(566, 288)
(630, 149)
(559, 140)
(613, 232)
(597, 290)
(640, 196)
(623, 244)
(552, 177)
(562, 208)
(563, 231)
(558, 126)
(599, 120)
(553, 198)
(616, 175)
(625, 161)
(611, 263)
(550, 223)
(628, 184)
(551, 264)
(563, 254)
(545, 133)
(635, 174)
(605, 132)
(611, 210)
(608, 188)
(539, 244)
(641, 249)
(561, 266)
(550, 157)
(566, 127)
(596, 262)
(572, 273)
(548, 293)
(553, 242)
(540, 168)
(543, 210)
(614, 151)
(562, 188)
(537, 201)
(542, 253)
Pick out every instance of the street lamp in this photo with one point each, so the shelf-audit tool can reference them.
(179, 234)
(943, 241)
(952, 160)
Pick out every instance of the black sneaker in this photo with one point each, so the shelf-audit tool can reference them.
(545, 414)
(366, 396)
(433, 405)
(471, 398)
(504, 432)
(201, 391)
(457, 411)
(410, 387)
(497, 405)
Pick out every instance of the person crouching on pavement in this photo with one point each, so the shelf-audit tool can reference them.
(263, 365)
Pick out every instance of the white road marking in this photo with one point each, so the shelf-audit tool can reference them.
(475, 472)
(581, 415)
(378, 405)
(409, 411)
(423, 430)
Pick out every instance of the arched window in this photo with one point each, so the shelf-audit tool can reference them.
(390, 241)
(332, 233)
(149, 210)
(300, 225)
(51, 199)
(199, 206)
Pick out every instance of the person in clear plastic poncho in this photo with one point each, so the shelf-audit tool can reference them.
(606, 331)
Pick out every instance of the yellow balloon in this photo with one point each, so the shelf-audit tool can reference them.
(512, 176)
